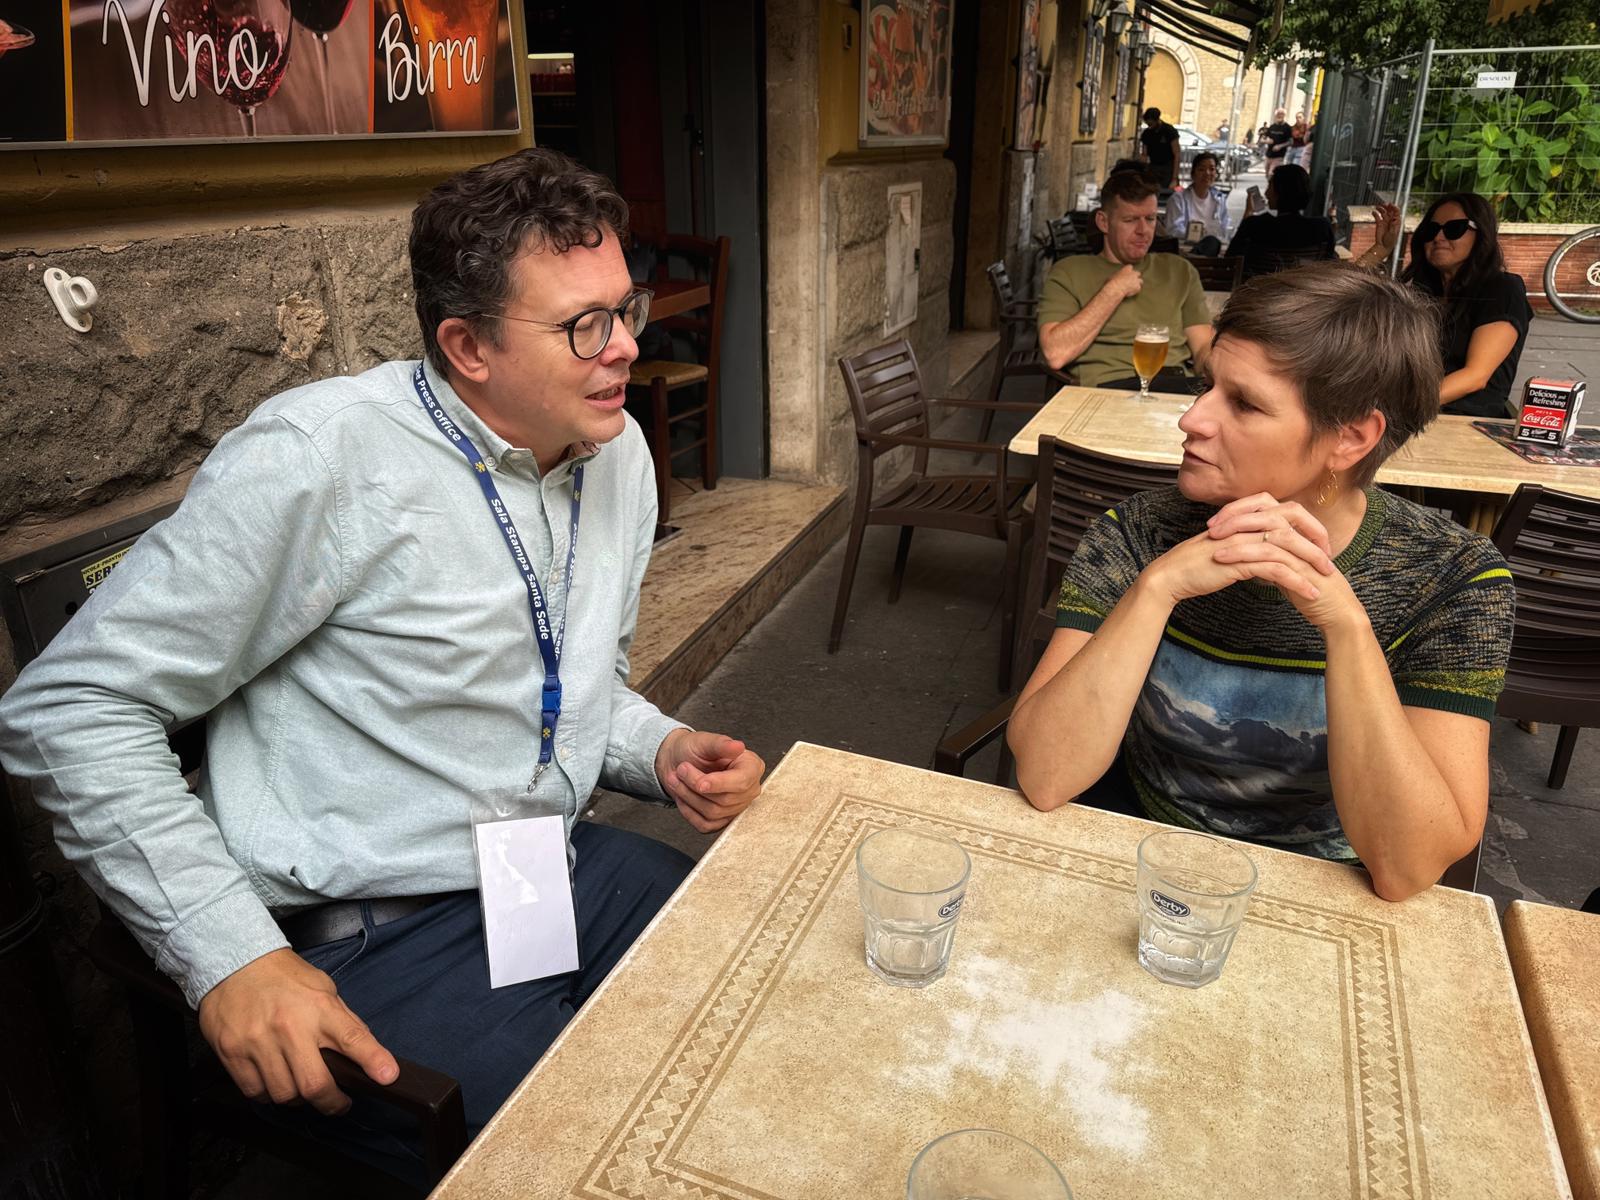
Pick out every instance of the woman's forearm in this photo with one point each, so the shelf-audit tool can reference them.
(1396, 808)
(1462, 383)
(1066, 733)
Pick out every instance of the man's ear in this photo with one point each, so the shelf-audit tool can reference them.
(1101, 221)
(1357, 440)
(463, 346)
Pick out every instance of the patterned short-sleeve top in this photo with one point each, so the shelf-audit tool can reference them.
(1230, 731)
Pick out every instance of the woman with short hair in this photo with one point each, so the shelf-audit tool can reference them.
(1274, 649)
(1455, 257)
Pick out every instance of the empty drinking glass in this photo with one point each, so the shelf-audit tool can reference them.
(983, 1164)
(1193, 889)
(912, 885)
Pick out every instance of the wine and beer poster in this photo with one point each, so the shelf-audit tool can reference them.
(151, 71)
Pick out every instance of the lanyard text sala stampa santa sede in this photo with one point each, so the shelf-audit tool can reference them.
(549, 641)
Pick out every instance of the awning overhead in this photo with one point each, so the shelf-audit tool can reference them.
(1187, 21)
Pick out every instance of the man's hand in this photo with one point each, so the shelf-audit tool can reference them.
(268, 1023)
(712, 778)
(1126, 282)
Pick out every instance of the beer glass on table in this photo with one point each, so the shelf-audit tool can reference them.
(1149, 355)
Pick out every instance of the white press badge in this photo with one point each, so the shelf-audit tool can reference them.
(530, 928)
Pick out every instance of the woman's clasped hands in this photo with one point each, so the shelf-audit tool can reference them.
(1259, 538)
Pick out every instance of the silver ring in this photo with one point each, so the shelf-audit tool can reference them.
(1266, 535)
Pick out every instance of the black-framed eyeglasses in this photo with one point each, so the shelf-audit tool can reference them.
(1454, 230)
(589, 332)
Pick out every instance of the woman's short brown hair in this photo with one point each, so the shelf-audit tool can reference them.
(1352, 343)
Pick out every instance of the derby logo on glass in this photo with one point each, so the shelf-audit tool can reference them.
(1175, 908)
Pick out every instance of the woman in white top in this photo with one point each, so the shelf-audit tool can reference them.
(1200, 204)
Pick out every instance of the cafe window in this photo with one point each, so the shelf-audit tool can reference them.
(1094, 44)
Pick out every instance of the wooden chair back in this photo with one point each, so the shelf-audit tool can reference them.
(684, 256)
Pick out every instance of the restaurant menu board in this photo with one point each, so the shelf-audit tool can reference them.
(152, 71)
(905, 72)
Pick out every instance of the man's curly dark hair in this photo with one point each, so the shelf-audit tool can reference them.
(466, 232)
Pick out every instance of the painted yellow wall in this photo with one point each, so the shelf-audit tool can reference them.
(103, 187)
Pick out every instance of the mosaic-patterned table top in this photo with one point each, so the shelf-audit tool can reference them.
(742, 1051)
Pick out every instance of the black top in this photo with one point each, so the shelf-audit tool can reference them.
(1270, 243)
(1504, 298)
(1158, 147)
(1280, 135)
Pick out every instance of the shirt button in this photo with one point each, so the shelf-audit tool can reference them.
(489, 462)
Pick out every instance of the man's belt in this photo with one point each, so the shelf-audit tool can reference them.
(340, 919)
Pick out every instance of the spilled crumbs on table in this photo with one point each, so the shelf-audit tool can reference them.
(1070, 1049)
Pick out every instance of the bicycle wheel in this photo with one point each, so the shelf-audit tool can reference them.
(1572, 277)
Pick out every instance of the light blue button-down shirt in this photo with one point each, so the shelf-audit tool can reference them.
(336, 594)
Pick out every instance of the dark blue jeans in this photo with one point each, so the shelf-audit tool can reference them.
(422, 984)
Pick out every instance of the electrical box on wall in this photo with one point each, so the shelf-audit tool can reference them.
(903, 256)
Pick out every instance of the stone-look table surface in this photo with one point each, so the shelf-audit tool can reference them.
(742, 1050)
(1449, 454)
(1553, 955)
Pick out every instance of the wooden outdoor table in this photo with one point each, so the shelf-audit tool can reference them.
(675, 296)
(1450, 454)
(1553, 955)
(742, 1050)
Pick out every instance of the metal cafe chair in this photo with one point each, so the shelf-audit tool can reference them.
(1073, 488)
(1018, 354)
(891, 411)
(708, 259)
(39, 593)
(1551, 541)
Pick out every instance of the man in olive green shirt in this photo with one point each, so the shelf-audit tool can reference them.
(1093, 305)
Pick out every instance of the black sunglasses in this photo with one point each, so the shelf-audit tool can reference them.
(1453, 230)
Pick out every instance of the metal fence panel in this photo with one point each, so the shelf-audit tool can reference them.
(1521, 127)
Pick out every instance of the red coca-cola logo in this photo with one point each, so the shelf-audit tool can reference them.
(1543, 418)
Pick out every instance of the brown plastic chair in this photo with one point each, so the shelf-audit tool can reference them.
(707, 258)
(1551, 541)
(1073, 489)
(892, 411)
(1218, 274)
(39, 593)
(1018, 353)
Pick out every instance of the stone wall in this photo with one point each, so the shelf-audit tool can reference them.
(192, 331)
(855, 222)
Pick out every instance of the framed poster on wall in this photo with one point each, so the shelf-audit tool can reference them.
(905, 73)
(141, 72)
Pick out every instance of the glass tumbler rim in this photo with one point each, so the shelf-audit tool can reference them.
(1066, 1188)
(1225, 844)
(865, 872)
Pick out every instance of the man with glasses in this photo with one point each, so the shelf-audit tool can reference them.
(406, 601)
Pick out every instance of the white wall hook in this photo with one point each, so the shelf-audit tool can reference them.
(74, 296)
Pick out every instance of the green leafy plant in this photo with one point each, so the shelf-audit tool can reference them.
(1539, 159)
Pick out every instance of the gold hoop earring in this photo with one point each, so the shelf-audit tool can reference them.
(1328, 490)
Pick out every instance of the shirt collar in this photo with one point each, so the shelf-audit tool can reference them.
(490, 444)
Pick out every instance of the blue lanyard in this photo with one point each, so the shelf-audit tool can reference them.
(549, 643)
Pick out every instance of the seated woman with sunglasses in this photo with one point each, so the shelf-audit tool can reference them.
(1275, 650)
(1455, 255)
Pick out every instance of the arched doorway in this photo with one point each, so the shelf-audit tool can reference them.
(1163, 87)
